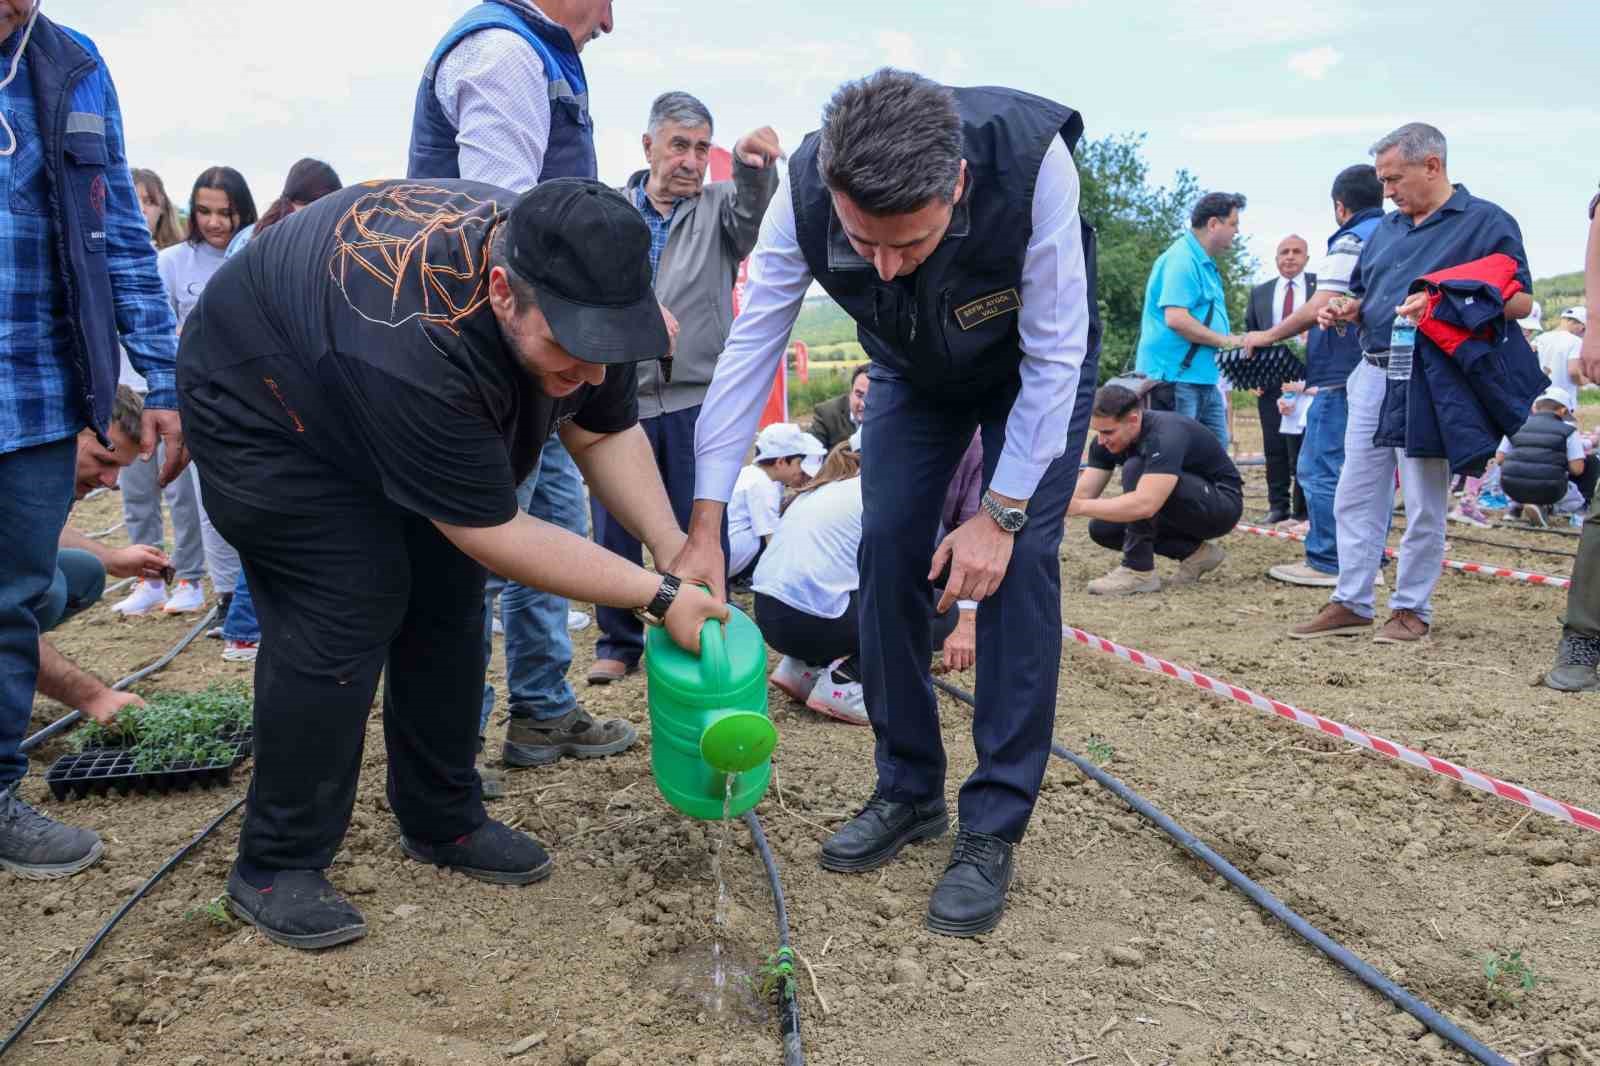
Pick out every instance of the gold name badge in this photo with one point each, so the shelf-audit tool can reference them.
(984, 308)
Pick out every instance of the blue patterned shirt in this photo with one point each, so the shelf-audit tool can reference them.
(40, 397)
(659, 227)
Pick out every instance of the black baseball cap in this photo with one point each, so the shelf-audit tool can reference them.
(586, 251)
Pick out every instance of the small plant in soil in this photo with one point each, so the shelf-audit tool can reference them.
(1504, 974)
(1100, 752)
(176, 727)
(215, 912)
(774, 978)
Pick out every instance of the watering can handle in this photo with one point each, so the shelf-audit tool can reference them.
(715, 670)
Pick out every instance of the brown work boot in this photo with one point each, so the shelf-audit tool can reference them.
(1403, 627)
(605, 671)
(532, 742)
(1334, 620)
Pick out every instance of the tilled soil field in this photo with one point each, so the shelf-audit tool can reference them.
(1117, 946)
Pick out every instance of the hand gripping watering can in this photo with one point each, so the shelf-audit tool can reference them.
(708, 717)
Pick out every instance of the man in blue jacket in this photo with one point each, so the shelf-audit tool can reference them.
(79, 275)
(1436, 225)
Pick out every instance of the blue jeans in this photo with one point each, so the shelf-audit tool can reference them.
(538, 647)
(1321, 459)
(79, 582)
(35, 494)
(241, 624)
(1203, 403)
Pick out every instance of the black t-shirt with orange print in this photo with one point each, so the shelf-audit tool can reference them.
(358, 332)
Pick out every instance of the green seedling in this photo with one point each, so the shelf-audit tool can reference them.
(774, 978)
(175, 726)
(215, 912)
(1504, 973)
(1100, 752)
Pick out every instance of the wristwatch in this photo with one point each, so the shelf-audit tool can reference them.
(1010, 519)
(654, 613)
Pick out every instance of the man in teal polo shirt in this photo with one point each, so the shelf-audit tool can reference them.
(1186, 313)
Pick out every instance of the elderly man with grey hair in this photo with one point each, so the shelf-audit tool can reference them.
(699, 233)
(1435, 225)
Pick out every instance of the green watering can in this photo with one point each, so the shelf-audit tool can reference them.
(708, 717)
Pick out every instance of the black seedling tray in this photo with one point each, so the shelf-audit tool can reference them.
(99, 770)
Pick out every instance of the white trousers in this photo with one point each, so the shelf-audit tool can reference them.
(1364, 502)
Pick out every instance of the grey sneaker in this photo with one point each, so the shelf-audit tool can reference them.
(39, 848)
(1576, 659)
(531, 742)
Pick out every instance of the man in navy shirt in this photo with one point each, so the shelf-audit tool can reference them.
(1435, 225)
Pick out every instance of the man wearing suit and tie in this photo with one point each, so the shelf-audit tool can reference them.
(1270, 303)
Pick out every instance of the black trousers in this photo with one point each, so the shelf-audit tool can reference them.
(1197, 511)
(1282, 455)
(1587, 480)
(362, 589)
(821, 640)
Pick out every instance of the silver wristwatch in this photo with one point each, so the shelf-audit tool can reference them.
(1010, 519)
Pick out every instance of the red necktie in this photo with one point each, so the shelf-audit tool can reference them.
(1288, 300)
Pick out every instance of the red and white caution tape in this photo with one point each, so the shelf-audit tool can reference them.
(1526, 797)
(1531, 577)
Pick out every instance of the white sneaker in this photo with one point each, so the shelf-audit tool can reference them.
(796, 677)
(240, 651)
(147, 596)
(838, 698)
(577, 620)
(186, 598)
(1302, 574)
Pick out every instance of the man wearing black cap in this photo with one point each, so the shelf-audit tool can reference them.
(369, 383)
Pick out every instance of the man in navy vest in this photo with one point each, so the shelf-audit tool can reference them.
(945, 222)
(1331, 356)
(79, 277)
(504, 100)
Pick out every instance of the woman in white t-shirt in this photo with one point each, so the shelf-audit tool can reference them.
(220, 205)
(807, 592)
(139, 482)
(786, 457)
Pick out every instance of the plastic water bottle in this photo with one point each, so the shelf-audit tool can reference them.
(1402, 344)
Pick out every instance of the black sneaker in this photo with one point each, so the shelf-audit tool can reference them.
(492, 852)
(971, 896)
(1576, 659)
(300, 909)
(878, 832)
(531, 742)
(39, 848)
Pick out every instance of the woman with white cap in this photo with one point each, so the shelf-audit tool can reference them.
(786, 457)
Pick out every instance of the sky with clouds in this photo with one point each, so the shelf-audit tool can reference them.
(1270, 99)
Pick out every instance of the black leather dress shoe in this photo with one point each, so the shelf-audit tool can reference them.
(879, 831)
(1274, 516)
(971, 896)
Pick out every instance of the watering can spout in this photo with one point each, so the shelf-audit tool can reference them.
(738, 741)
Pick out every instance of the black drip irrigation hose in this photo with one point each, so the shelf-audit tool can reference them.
(1366, 973)
(72, 718)
(105, 930)
(789, 1024)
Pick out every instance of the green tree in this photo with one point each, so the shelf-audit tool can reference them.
(1135, 223)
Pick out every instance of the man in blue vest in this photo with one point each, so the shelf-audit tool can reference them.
(1331, 355)
(945, 222)
(79, 278)
(504, 100)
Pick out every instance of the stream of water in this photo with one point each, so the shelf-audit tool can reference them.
(719, 977)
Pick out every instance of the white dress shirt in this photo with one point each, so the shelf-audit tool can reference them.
(1053, 326)
(494, 90)
(1299, 283)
